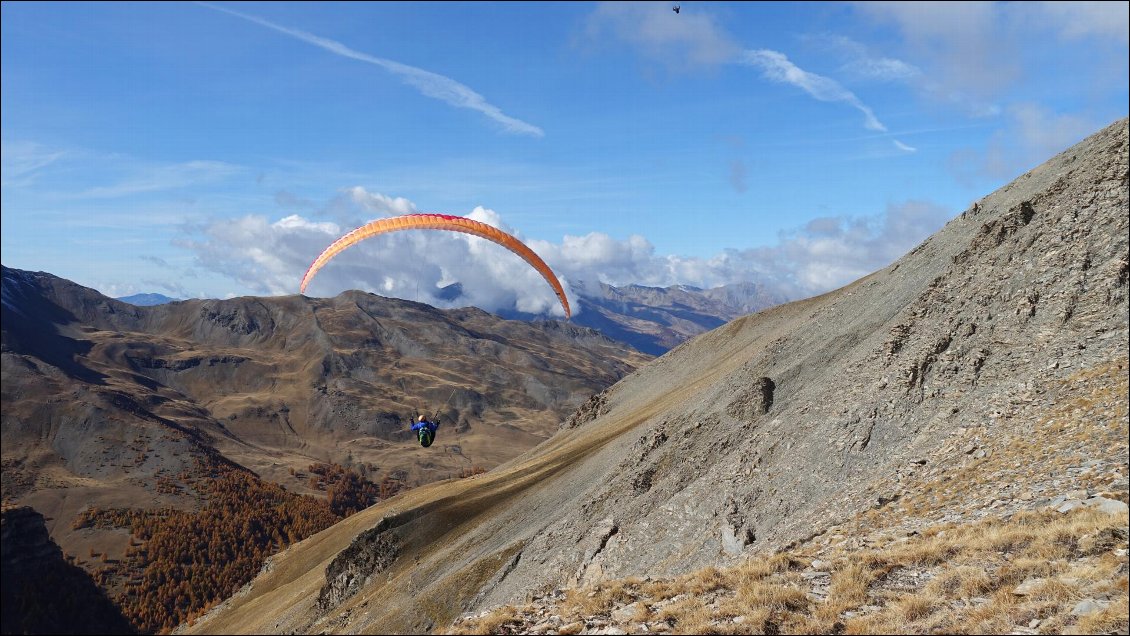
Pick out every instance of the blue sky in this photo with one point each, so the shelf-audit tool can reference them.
(214, 149)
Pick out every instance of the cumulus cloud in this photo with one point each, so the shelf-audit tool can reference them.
(777, 67)
(380, 204)
(830, 252)
(428, 83)
(270, 257)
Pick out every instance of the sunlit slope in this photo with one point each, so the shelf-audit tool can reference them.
(756, 435)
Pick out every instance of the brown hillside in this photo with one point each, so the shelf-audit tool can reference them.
(111, 406)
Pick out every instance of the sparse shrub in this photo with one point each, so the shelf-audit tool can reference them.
(471, 472)
(913, 607)
(849, 585)
(492, 622)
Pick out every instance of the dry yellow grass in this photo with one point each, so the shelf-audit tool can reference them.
(687, 616)
(972, 590)
(494, 621)
(850, 584)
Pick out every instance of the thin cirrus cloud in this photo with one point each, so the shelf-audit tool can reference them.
(679, 40)
(775, 66)
(428, 83)
(23, 160)
(33, 166)
(156, 178)
(861, 64)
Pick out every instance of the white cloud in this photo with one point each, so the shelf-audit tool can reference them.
(1049, 133)
(694, 39)
(832, 251)
(270, 258)
(1029, 135)
(882, 69)
(862, 64)
(777, 67)
(1078, 19)
(967, 42)
(975, 52)
(903, 147)
(428, 83)
(379, 204)
(295, 222)
(679, 40)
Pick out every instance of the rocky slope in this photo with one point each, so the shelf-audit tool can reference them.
(765, 432)
(1019, 531)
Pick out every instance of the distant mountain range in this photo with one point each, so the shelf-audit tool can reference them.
(650, 319)
(147, 300)
(656, 319)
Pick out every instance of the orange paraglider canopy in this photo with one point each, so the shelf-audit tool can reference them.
(438, 222)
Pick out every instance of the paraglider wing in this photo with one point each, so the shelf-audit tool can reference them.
(439, 222)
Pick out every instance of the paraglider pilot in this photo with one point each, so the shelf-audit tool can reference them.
(425, 430)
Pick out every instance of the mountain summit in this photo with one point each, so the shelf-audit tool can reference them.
(770, 429)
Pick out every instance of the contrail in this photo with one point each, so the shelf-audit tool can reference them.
(776, 66)
(428, 83)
